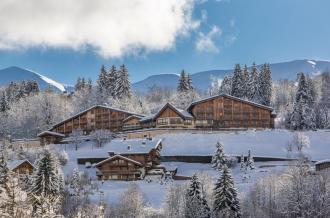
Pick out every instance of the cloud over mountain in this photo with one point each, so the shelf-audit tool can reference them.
(111, 28)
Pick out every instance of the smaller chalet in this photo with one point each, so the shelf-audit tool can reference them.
(50, 137)
(130, 159)
(323, 165)
(169, 117)
(132, 122)
(21, 167)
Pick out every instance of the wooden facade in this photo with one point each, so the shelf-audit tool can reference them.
(217, 112)
(129, 165)
(119, 168)
(323, 165)
(21, 167)
(97, 117)
(224, 111)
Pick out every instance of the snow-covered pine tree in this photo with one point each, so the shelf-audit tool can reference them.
(189, 82)
(183, 85)
(250, 161)
(3, 164)
(303, 116)
(46, 184)
(4, 105)
(196, 204)
(237, 89)
(102, 81)
(219, 158)
(246, 76)
(112, 79)
(226, 85)
(226, 203)
(253, 83)
(75, 182)
(265, 85)
(123, 84)
(325, 90)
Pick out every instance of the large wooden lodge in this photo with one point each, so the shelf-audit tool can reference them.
(216, 112)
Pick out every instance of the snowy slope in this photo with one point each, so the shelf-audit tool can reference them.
(202, 80)
(19, 74)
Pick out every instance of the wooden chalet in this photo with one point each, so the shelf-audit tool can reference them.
(129, 159)
(216, 112)
(21, 167)
(225, 111)
(96, 117)
(49, 137)
(169, 117)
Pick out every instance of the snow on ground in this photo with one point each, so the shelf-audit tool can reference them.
(155, 192)
(269, 143)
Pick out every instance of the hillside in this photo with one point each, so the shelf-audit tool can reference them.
(202, 80)
(18, 74)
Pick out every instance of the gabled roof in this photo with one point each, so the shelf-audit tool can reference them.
(47, 132)
(120, 157)
(133, 116)
(230, 97)
(182, 113)
(16, 163)
(95, 106)
(322, 161)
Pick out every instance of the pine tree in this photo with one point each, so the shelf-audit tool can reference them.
(265, 85)
(219, 159)
(226, 85)
(189, 82)
(183, 85)
(237, 89)
(250, 161)
(3, 164)
(246, 76)
(303, 116)
(113, 77)
(123, 85)
(196, 204)
(46, 186)
(325, 90)
(102, 81)
(226, 203)
(252, 89)
(75, 182)
(4, 105)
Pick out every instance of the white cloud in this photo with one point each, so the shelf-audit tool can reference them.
(204, 15)
(112, 28)
(230, 40)
(205, 42)
(232, 23)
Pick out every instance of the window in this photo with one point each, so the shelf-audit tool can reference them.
(162, 121)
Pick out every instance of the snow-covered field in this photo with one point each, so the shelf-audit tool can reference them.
(155, 192)
(270, 143)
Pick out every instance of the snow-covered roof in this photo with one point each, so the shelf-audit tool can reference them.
(47, 132)
(183, 113)
(322, 161)
(133, 116)
(231, 97)
(147, 118)
(120, 157)
(16, 163)
(133, 146)
(95, 106)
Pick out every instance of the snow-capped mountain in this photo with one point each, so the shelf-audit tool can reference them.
(18, 74)
(202, 80)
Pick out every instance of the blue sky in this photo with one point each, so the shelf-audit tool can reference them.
(220, 34)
